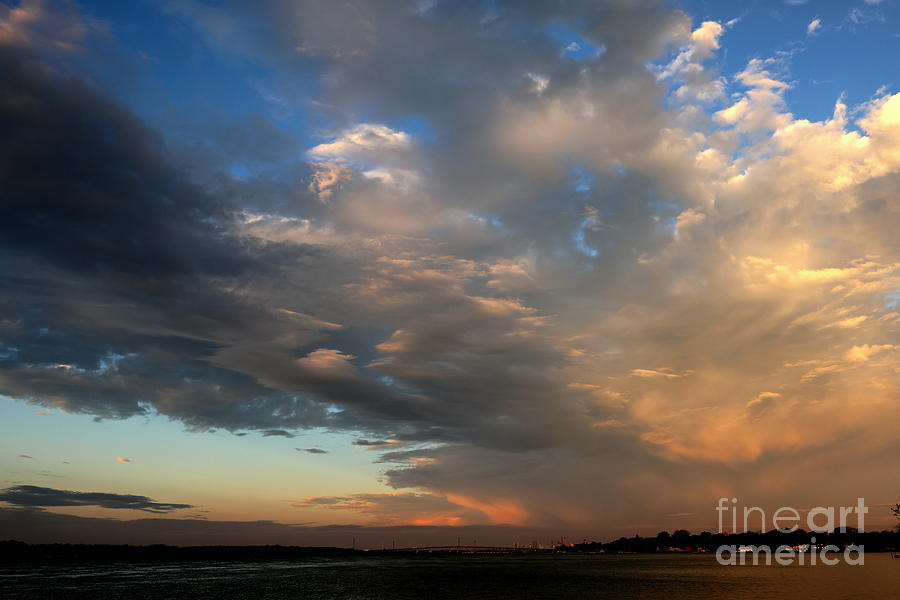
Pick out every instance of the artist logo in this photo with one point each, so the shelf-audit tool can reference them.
(787, 520)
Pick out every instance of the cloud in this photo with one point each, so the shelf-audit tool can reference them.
(617, 292)
(813, 26)
(865, 352)
(123, 460)
(396, 508)
(25, 456)
(760, 107)
(861, 16)
(47, 26)
(312, 450)
(277, 433)
(763, 399)
(697, 83)
(327, 178)
(145, 276)
(32, 496)
(378, 444)
(363, 143)
(652, 373)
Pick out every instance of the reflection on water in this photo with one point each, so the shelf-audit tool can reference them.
(538, 576)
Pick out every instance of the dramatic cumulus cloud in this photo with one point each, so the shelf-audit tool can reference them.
(569, 290)
(32, 496)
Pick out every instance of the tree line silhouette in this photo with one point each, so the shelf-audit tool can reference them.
(684, 541)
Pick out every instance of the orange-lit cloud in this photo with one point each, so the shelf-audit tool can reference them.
(399, 508)
(499, 511)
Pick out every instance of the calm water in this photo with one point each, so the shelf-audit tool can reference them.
(554, 576)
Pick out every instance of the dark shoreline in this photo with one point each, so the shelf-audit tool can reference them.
(18, 552)
(12, 552)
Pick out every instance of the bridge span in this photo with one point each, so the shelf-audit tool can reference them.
(467, 549)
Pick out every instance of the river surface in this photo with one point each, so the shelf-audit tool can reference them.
(673, 577)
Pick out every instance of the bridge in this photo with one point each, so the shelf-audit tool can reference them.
(467, 549)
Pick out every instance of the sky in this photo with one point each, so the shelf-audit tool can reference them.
(308, 272)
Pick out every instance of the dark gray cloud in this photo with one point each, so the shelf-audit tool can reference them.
(96, 212)
(153, 269)
(184, 299)
(66, 181)
(32, 496)
(392, 307)
(312, 450)
(277, 433)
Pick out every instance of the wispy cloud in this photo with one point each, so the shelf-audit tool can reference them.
(32, 496)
